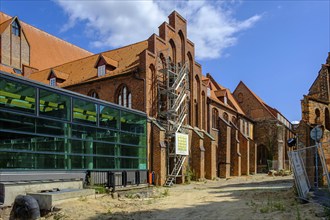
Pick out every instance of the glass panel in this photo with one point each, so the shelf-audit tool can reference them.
(107, 135)
(109, 117)
(134, 139)
(14, 95)
(131, 151)
(133, 123)
(104, 149)
(104, 163)
(84, 111)
(54, 105)
(12, 121)
(52, 127)
(129, 163)
(83, 132)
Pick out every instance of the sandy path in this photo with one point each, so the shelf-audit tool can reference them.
(253, 197)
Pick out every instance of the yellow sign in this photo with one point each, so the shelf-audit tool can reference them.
(181, 144)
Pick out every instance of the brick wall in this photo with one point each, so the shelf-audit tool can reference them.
(157, 153)
(223, 154)
(6, 47)
(245, 154)
(210, 157)
(235, 154)
(197, 156)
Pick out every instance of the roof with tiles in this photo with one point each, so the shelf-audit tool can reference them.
(46, 50)
(83, 70)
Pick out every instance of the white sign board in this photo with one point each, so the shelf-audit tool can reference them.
(299, 174)
(181, 144)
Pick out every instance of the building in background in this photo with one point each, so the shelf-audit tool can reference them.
(271, 130)
(315, 107)
(26, 49)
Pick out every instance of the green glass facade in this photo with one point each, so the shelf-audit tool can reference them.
(46, 128)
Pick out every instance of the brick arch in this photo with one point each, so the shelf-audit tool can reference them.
(93, 93)
(183, 46)
(317, 119)
(173, 51)
(123, 96)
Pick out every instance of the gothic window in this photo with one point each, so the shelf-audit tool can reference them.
(327, 119)
(173, 50)
(225, 116)
(182, 47)
(124, 97)
(317, 116)
(93, 94)
(215, 115)
(15, 28)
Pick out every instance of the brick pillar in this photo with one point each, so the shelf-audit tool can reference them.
(244, 150)
(197, 160)
(158, 153)
(253, 157)
(235, 161)
(210, 157)
(223, 154)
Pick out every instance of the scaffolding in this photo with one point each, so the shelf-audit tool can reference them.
(173, 86)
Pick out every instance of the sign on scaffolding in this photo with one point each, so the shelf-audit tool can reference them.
(181, 144)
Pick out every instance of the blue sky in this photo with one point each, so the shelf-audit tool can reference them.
(275, 47)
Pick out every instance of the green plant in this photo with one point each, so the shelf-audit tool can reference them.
(166, 192)
(189, 175)
(298, 213)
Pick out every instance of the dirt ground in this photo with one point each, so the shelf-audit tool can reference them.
(249, 197)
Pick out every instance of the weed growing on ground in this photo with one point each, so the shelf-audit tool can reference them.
(83, 198)
(298, 213)
(270, 206)
(166, 192)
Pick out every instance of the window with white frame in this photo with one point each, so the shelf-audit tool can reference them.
(101, 70)
(52, 81)
(124, 97)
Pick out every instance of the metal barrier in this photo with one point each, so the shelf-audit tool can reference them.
(113, 179)
(311, 172)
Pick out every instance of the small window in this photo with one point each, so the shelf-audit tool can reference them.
(15, 29)
(215, 115)
(52, 81)
(101, 70)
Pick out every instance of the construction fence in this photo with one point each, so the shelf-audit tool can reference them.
(311, 172)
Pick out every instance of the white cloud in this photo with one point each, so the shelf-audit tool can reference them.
(211, 25)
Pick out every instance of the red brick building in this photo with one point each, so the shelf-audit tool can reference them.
(271, 130)
(26, 49)
(161, 77)
(315, 107)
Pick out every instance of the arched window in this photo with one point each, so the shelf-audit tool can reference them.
(182, 47)
(197, 99)
(93, 93)
(124, 96)
(215, 115)
(317, 116)
(225, 116)
(15, 28)
(173, 51)
(327, 119)
(203, 111)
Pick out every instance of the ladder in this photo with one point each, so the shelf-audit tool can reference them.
(173, 93)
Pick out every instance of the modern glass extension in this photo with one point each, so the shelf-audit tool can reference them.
(47, 128)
